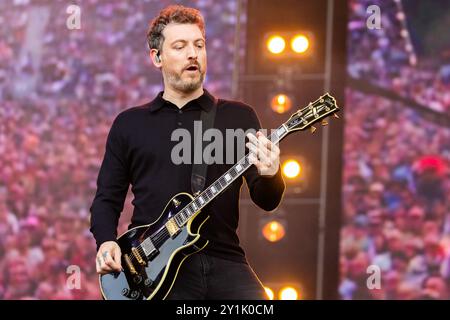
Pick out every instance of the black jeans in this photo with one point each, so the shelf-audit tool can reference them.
(206, 277)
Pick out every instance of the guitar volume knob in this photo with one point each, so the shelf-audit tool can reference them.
(148, 282)
(134, 294)
(137, 279)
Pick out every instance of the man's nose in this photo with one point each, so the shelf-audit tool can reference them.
(192, 52)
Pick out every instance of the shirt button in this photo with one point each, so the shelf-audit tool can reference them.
(179, 123)
(180, 111)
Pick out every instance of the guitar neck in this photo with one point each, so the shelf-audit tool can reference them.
(223, 182)
(300, 120)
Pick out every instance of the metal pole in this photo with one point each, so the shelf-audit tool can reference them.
(324, 155)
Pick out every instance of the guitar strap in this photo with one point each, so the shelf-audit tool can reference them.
(199, 170)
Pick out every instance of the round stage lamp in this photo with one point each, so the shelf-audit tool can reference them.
(281, 103)
(300, 43)
(288, 293)
(273, 231)
(276, 44)
(291, 169)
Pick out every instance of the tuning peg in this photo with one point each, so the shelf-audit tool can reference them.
(335, 115)
(324, 122)
(313, 129)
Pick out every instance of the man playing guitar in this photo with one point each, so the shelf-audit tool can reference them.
(138, 152)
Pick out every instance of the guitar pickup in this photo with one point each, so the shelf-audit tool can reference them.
(173, 228)
(149, 249)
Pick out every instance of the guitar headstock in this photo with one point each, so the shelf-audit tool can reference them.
(312, 113)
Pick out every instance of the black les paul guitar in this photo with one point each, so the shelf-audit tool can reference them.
(152, 254)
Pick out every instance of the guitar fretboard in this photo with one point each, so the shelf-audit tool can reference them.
(225, 180)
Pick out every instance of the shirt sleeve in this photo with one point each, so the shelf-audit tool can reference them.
(266, 192)
(112, 187)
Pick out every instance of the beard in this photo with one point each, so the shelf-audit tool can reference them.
(184, 85)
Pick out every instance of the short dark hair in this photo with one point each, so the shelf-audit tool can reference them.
(175, 14)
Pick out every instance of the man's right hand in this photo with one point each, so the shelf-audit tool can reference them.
(108, 258)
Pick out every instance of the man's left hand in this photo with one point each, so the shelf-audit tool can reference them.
(264, 154)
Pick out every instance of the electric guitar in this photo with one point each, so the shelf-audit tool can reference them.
(152, 254)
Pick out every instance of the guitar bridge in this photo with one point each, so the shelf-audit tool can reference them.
(138, 257)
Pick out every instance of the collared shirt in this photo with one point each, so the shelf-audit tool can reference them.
(139, 152)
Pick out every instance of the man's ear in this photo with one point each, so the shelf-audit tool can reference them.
(155, 55)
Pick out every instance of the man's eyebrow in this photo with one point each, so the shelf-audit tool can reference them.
(185, 41)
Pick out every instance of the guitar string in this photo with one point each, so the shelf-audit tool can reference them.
(156, 237)
(243, 160)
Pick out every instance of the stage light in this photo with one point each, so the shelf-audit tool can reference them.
(276, 44)
(273, 231)
(269, 293)
(289, 46)
(288, 293)
(297, 173)
(291, 169)
(283, 290)
(300, 43)
(281, 103)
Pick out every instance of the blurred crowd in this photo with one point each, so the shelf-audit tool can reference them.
(387, 58)
(396, 175)
(60, 89)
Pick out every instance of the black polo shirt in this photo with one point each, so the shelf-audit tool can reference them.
(138, 152)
